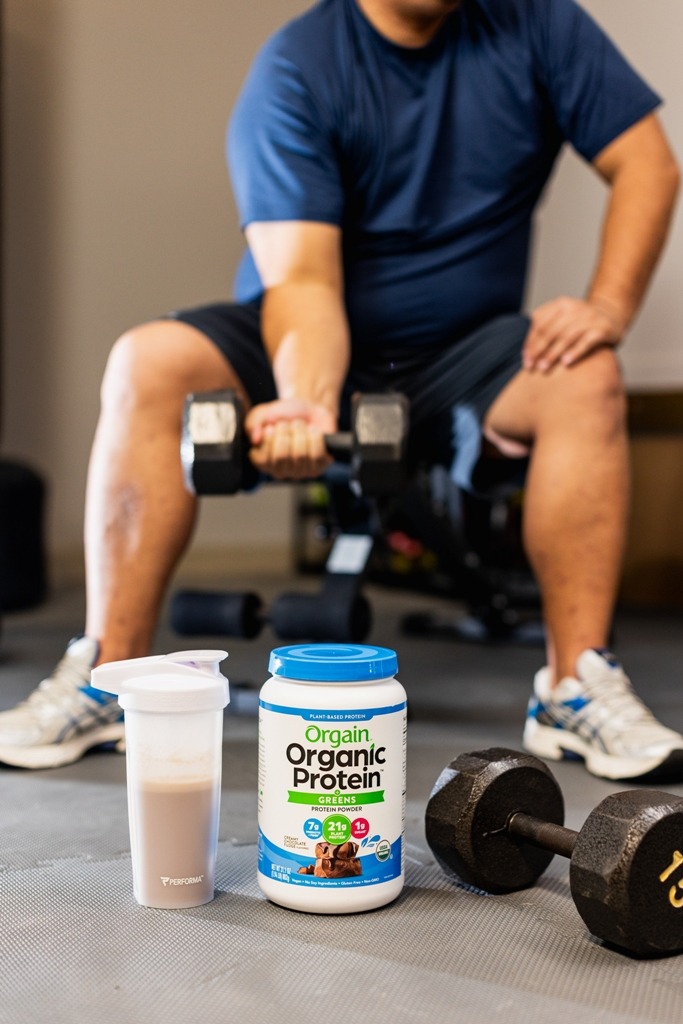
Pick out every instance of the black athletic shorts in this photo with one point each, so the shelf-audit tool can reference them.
(450, 389)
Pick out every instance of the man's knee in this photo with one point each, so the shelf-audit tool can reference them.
(588, 395)
(594, 389)
(129, 366)
(162, 361)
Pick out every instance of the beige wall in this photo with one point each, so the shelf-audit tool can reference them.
(649, 34)
(117, 207)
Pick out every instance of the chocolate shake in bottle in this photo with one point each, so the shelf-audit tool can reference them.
(173, 708)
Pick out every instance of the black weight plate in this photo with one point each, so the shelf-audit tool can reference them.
(321, 618)
(626, 873)
(468, 811)
(197, 613)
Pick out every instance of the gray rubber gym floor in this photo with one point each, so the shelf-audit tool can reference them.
(76, 947)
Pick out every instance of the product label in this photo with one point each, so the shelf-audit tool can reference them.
(331, 795)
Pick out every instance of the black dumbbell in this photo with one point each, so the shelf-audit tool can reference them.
(335, 615)
(214, 448)
(495, 820)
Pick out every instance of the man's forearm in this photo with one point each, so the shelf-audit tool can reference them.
(643, 177)
(635, 229)
(307, 338)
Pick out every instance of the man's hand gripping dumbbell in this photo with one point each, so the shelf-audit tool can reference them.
(222, 450)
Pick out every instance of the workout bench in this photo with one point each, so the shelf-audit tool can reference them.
(371, 484)
(370, 462)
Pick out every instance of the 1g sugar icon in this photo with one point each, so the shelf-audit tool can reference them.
(360, 828)
(676, 890)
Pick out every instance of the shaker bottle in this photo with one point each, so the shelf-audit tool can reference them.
(173, 718)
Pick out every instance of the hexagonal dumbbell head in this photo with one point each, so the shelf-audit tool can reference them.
(211, 447)
(379, 427)
(626, 872)
(468, 811)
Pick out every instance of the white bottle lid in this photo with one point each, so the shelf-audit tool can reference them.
(185, 681)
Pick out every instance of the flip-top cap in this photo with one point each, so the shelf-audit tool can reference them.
(185, 681)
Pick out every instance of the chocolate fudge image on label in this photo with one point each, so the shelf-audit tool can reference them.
(334, 861)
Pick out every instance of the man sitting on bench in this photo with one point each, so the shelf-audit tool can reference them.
(387, 159)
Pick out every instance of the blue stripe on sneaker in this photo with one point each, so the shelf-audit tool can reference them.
(66, 732)
(577, 703)
(99, 696)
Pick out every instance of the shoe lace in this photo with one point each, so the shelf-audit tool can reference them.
(616, 696)
(66, 680)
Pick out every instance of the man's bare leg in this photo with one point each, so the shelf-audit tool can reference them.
(583, 704)
(139, 515)
(577, 495)
(139, 519)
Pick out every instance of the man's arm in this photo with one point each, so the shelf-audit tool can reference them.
(306, 336)
(644, 178)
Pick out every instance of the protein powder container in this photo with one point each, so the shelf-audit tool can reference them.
(332, 770)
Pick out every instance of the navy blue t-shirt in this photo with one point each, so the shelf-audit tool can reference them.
(430, 160)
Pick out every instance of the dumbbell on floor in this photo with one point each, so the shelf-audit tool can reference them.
(339, 615)
(495, 820)
(214, 445)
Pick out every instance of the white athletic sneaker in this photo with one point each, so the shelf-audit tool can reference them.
(598, 717)
(63, 717)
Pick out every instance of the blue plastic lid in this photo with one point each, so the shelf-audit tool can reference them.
(333, 663)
